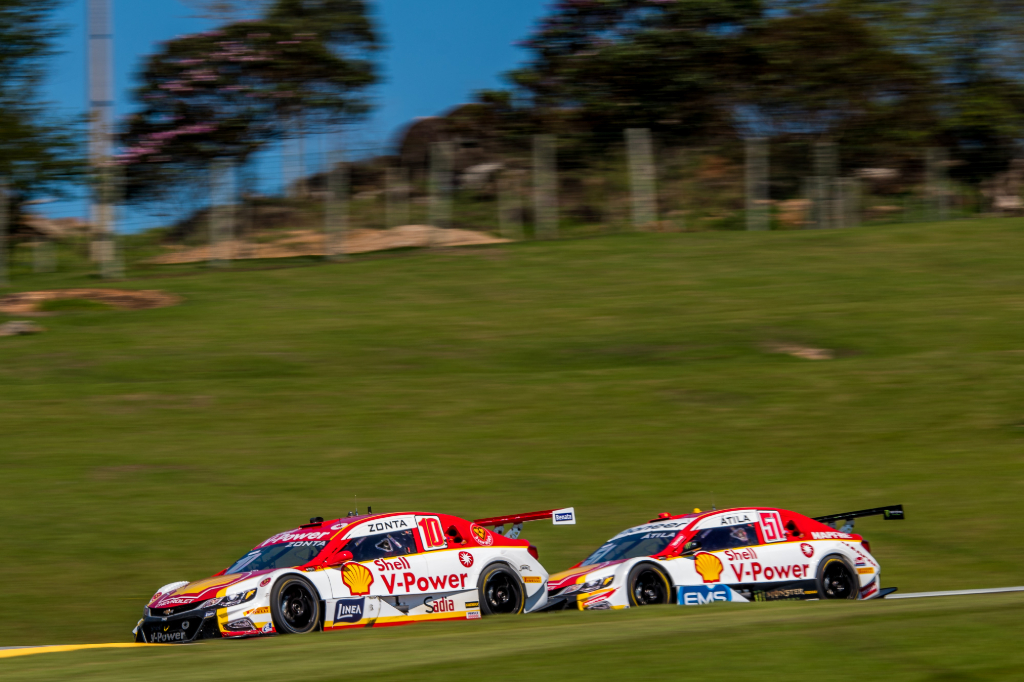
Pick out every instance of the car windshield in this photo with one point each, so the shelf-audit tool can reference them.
(285, 555)
(629, 546)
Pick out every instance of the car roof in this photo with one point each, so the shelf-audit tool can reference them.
(335, 528)
(673, 521)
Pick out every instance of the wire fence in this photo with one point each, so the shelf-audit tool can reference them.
(332, 203)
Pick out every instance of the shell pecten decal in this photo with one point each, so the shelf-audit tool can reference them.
(357, 578)
(708, 566)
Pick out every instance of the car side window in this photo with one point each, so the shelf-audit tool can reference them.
(726, 537)
(382, 546)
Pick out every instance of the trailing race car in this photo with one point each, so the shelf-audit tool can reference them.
(359, 571)
(741, 555)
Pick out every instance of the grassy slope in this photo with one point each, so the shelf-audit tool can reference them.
(624, 375)
(890, 641)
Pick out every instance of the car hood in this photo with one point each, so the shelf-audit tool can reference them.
(202, 589)
(576, 575)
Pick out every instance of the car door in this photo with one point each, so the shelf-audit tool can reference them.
(451, 581)
(785, 566)
(387, 561)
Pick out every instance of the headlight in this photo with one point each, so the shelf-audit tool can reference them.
(230, 600)
(597, 584)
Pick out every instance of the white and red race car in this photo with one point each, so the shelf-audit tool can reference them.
(359, 571)
(739, 555)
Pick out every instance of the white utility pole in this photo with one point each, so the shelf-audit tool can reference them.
(642, 177)
(101, 105)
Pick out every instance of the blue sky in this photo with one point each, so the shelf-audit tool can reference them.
(438, 52)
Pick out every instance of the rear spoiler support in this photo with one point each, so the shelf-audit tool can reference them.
(893, 512)
(560, 517)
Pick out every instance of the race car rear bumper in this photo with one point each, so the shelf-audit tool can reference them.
(181, 628)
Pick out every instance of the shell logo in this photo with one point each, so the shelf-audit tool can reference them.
(357, 578)
(709, 566)
(466, 559)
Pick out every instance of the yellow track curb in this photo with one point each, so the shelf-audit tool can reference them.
(28, 651)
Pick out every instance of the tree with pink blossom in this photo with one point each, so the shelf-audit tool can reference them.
(231, 91)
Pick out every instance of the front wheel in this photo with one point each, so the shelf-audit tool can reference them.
(837, 579)
(648, 585)
(294, 606)
(500, 591)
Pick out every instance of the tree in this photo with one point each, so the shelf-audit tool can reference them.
(973, 51)
(883, 78)
(967, 56)
(828, 74)
(605, 65)
(229, 92)
(38, 153)
(224, 11)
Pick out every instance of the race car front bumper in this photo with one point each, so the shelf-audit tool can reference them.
(181, 628)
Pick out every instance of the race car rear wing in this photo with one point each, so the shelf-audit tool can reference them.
(560, 517)
(891, 513)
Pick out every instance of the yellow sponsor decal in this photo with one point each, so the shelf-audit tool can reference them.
(387, 620)
(256, 612)
(571, 572)
(340, 625)
(532, 579)
(865, 571)
(203, 585)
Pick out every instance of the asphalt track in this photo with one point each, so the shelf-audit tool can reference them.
(12, 651)
(953, 593)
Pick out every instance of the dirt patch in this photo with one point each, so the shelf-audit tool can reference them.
(312, 243)
(803, 352)
(20, 328)
(28, 302)
(794, 213)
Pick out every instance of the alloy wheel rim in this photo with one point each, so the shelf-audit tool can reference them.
(502, 595)
(648, 589)
(296, 606)
(837, 581)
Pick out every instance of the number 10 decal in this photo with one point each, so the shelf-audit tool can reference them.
(430, 531)
(771, 526)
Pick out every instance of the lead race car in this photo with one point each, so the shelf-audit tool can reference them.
(740, 555)
(359, 571)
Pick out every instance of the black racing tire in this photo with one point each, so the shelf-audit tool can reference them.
(648, 585)
(501, 591)
(294, 606)
(837, 579)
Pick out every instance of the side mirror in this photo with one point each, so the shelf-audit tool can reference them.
(340, 558)
(691, 547)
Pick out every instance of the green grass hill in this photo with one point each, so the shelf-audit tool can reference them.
(625, 375)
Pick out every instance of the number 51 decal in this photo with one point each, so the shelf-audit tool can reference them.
(430, 531)
(771, 526)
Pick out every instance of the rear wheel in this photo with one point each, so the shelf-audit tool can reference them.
(500, 591)
(648, 585)
(837, 579)
(294, 606)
